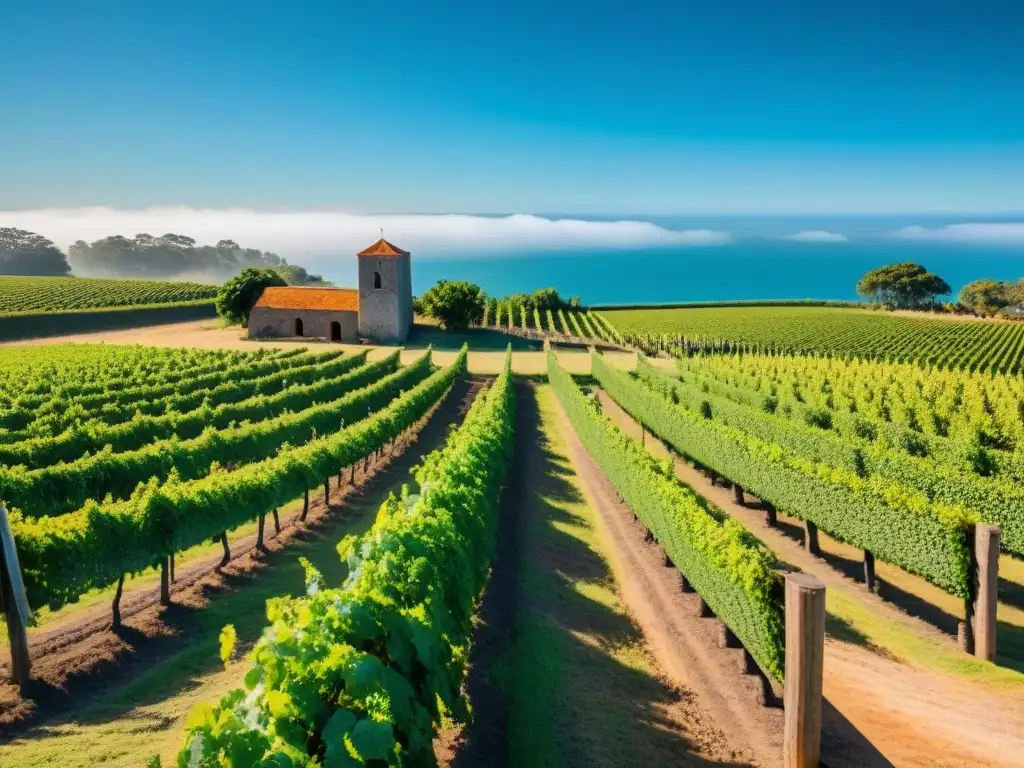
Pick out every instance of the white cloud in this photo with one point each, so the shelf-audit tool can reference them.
(817, 236)
(983, 233)
(297, 232)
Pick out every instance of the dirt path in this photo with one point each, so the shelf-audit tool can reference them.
(914, 717)
(561, 674)
(80, 656)
(211, 334)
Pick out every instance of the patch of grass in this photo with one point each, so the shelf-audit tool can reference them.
(850, 621)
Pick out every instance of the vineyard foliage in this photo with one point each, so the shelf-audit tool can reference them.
(63, 294)
(731, 570)
(951, 344)
(63, 487)
(895, 522)
(121, 456)
(563, 322)
(64, 556)
(247, 400)
(364, 672)
(949, 470)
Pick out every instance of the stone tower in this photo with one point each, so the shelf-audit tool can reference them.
(385, 293)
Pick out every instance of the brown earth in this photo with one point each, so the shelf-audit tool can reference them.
(913, 717)
(81, 656)
(678, 727)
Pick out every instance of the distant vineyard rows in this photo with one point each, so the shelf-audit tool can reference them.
(957, 344)
(62, 294)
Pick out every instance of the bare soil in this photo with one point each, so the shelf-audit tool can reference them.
(666, 723)
(81, 657)
(913, 717)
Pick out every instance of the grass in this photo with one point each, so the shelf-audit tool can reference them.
(581, 685)
(850, 621)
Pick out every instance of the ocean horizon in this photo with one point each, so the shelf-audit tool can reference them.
(759, 261)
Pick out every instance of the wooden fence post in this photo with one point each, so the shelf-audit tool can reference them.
(277, 523)
(327, 493)
(986, 583)
(305, 505)
(805, 656)
(14, 603)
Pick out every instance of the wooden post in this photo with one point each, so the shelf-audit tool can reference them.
(805, 656)
(771, 517)
(305, 505)
(277, 523)
(165, 581)
(116, 605)
(869, 571)
(14, 603)
(703, 609)
(327, 493)
(811, 538)
(339, 480)
(985, 561)
(172, 568)
(737, 494)
(353, 473)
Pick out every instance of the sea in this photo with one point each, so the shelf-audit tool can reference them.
(756, 262)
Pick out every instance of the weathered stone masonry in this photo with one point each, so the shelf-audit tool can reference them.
(379, 311)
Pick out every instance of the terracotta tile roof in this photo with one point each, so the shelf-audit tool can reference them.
(337, 299)
(383, 248)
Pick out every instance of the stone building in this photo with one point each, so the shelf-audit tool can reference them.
(379, 310)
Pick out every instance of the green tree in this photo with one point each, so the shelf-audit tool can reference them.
(293, 274)
(168, 255)
(902, 286)
(26, 253)
(988, 297)
(454, 304)
(239, 295)
(547, 298)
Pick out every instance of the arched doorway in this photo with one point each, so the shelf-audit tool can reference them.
(335, 330)
(298, 326)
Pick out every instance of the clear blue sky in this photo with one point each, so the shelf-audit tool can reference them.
(417, 105)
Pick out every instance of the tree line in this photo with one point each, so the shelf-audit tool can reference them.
(910, 286)
(457, 304)
(165, 256)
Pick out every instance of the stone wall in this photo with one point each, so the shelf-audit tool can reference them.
(266, 322)
(385, 313)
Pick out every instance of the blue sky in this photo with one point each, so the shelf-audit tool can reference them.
(598, 107)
